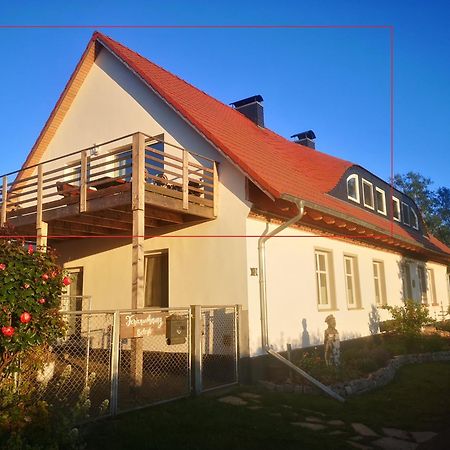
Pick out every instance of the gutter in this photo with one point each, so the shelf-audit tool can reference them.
(263, 297)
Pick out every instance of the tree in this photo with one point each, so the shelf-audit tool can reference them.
(434, 204)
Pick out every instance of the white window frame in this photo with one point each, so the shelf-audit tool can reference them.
(396, 201)
(357, 198)
(383, 196)
(354, 281)
(327, 272)
(415, 222)
(380, 282)
(368, 183)
(409, 218)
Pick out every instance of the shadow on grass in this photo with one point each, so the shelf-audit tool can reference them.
(418, 399)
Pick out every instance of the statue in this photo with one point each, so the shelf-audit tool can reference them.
(332, 343)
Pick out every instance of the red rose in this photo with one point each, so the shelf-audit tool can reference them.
(2, 266)
(42, 301)
(45, 277)
(25, 317)
(66, 281)
(26, 285)
(8, 331)
(30, 249)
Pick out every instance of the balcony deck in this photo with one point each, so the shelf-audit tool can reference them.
(93, 192)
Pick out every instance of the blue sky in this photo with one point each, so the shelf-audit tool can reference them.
(334, 81)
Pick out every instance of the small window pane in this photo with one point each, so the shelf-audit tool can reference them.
(396, 203)
(381, 201)
(414, 219)
(352, 188)
(405, 213)
(368, 194)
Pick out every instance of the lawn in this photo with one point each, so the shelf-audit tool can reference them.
(417, 400)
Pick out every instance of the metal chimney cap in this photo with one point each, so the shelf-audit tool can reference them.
(305, 135)
(247, 101)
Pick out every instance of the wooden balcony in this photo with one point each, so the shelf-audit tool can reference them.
(95, 191)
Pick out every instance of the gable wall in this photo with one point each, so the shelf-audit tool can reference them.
(113, 102)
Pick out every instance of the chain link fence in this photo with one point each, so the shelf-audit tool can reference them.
(116, 361)
(219, 347)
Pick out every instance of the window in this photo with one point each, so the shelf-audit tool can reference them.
(405, 213)
(380, 283)
(431, 287)
(157, 279)
(72, 300)
(406, 281)
(396, 209)
(351, 281)
(381, 200)
(414, 219)
(423, 283)
(323, 279)
(353, 188)
(367, 194)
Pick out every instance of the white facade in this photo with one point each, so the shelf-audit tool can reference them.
(206, 265)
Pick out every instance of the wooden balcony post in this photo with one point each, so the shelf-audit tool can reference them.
(138, 288)
(215, 189)
(185, 180)
(83, 180)
(41, 226)
(4, 200)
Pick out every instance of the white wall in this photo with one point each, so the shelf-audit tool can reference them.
(292, 294)
(113, 102)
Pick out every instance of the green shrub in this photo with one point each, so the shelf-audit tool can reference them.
(409, 318)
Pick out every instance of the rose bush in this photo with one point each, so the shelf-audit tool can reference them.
(30, 285)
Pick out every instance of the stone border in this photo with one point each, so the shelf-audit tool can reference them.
(374, 380)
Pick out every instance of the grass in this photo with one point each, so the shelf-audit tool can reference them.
(417, 400)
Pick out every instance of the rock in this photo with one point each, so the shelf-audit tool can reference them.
(422, 436)
(254, 407)
(286, 406)
(336, 423)
(364, 430)
(232, 400)
(313, 419)
(390, 443)
(336, 432)
(396, 433)
(250, 395)
(275, 414)
(310, 426)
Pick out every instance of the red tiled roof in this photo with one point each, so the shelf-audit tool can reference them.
(275, 164)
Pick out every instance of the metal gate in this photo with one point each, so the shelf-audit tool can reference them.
(116, 361)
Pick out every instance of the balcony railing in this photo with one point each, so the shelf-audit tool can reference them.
(105, 170)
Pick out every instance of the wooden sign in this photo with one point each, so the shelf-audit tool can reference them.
(143, 324)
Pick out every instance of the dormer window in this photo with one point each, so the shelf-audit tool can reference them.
(367, 189)
(381, 200)
(396, 209)
(405, 213)
(353, 188)
(414, 219)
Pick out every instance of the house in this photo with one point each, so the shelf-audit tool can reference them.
(132, 150)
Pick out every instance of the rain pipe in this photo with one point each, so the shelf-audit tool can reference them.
(263, 296)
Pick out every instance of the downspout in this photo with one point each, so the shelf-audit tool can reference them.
(263, 296)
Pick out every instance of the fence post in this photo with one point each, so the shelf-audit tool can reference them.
(115, 354)
(196, 347)
(4, 200)
(83, 180)
(41, 226)
(237, 337)
(185, 180)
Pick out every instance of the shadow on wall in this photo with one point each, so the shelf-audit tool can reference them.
(374, 320)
